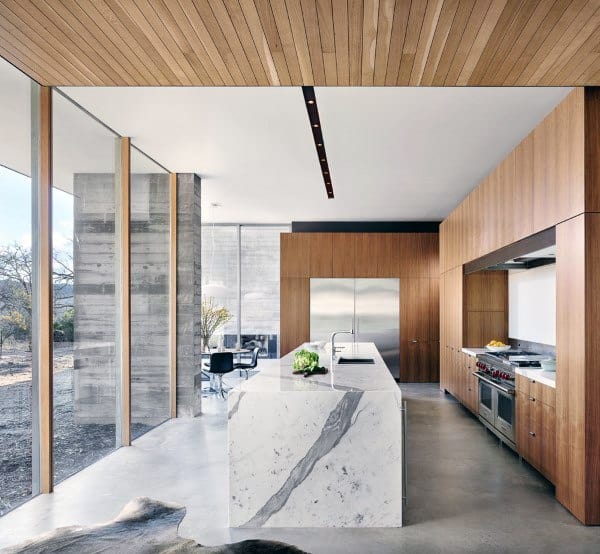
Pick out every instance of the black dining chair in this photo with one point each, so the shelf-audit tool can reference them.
(252, 365)
(220, 364)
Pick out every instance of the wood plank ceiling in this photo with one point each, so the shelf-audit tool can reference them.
(303, 42)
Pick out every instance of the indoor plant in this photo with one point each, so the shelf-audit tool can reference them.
(213, 317)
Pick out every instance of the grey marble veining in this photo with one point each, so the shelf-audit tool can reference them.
(301, 449)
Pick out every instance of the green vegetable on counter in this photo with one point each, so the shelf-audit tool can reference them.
(307, 362)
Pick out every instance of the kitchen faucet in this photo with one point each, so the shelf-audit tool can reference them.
(335, 350)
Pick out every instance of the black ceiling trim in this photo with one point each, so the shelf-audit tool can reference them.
(310, 102)
(365, 226)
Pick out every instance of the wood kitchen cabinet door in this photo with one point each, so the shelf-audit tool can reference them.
(522, 423)
(415, 342)
(343, 254)
(321, 254)
(295, 254)
(376, 255)
(295, 313)
(548, 442)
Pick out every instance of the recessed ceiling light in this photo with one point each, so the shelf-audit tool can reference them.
(315, 125)
(311, 102)
(322, 159)
(325, 172)
(319, 144)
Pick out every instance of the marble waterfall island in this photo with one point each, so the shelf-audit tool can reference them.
(319, 451)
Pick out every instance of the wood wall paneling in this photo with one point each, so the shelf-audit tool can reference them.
(321, 254)
(295, 313)
(415, 329)
(295, 254)
(343, 255)
(302, 42)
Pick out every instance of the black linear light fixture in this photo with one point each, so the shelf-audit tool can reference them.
(315, 125)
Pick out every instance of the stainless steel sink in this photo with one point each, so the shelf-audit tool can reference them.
(349, 361)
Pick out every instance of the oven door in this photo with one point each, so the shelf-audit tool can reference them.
(487, 401)
(505, 414)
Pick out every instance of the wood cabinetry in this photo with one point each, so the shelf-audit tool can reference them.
(546, 171)
(411, 257)
(535, 420)
(321, 254)
(294, 313)
(343, 254)
(419, 342)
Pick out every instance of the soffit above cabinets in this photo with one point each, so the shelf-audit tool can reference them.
(303, 42)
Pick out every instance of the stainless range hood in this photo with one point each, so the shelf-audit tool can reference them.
(545, 256)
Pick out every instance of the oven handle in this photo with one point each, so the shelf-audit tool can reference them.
(493, 384)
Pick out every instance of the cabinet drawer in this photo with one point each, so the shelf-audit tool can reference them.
(535, 391)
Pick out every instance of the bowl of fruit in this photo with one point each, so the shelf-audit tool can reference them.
(497, 346)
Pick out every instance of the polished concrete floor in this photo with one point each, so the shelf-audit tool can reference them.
(466, 493)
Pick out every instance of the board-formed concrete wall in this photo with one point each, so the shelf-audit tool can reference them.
(189, 295)
(96, 313)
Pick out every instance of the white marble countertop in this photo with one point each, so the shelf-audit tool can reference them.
(277, 375)
(545, 377)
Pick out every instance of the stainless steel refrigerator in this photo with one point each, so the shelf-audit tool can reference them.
(369, 306)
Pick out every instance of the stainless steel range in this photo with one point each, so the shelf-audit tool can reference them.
(496, 374)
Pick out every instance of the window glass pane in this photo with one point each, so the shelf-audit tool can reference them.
(149, 294)
(260, 288)
(85, 363)
(15, 288)
(220, 277)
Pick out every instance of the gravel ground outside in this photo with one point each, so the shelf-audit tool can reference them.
(75, 445)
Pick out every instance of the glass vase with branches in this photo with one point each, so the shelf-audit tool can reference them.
(213, 317)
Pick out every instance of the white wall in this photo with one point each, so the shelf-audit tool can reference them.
(532, 304)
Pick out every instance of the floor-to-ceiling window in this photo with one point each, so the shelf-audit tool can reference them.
(149, 228)
(259, 308)
(83, 234)
(15, 289)
(240, 271)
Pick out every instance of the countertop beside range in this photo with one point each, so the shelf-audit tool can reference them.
(544, 377)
